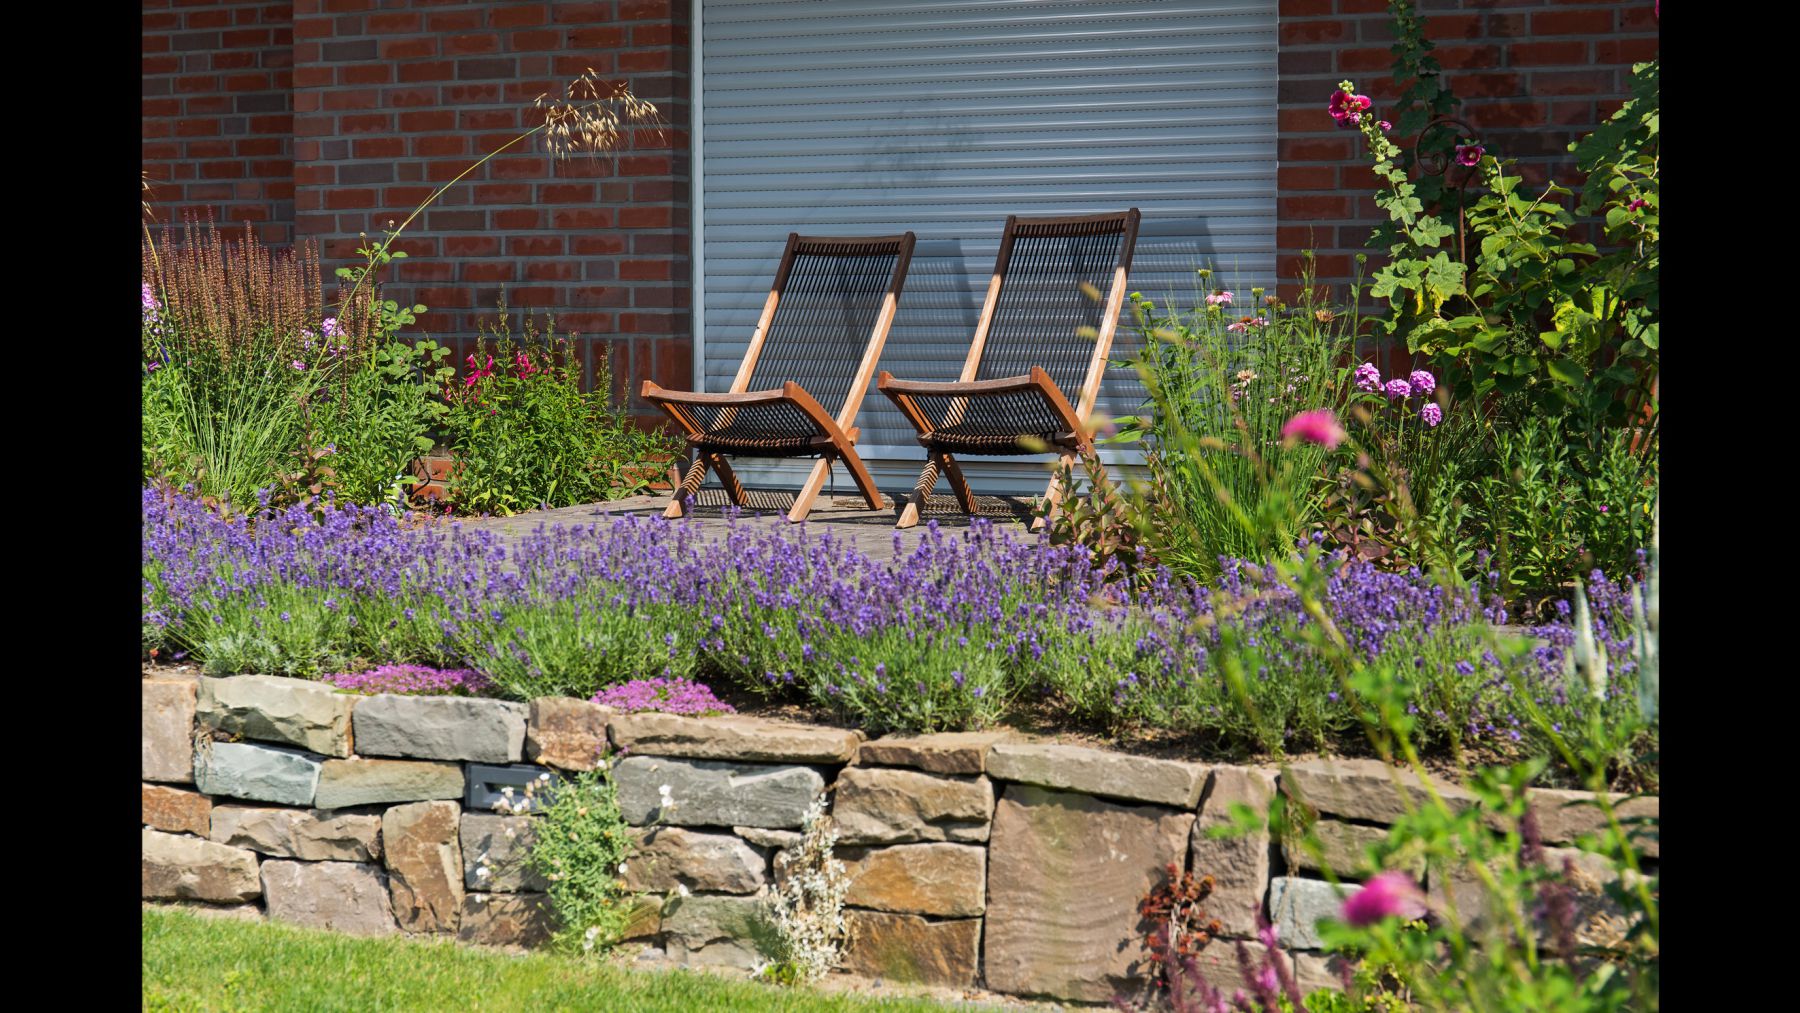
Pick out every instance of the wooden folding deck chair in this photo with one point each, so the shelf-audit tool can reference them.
(825, 321)
(1029, 357)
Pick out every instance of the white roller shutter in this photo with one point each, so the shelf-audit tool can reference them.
(871, 117)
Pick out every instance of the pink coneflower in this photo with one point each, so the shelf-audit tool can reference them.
(1469, 154)
(1387, 895)
(1317, 426)
(1219, 298)
(1245, 323)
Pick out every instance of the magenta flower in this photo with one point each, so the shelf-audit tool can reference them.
(1423, 383)
(1431, 414)
(1397, 389)
(1347, 109)
(1317, 426)
(1219, 298)
(330, 327)
(297, 364)
(1605, 509)
(1384, 125)
(1387, 895)
(1245, 323)
(1469, 154)
(1368, 377)
(1634, 205)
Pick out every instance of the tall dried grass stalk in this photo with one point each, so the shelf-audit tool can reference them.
(586, 120)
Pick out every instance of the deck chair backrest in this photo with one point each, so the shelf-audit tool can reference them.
(831, 297)
(1041, 316)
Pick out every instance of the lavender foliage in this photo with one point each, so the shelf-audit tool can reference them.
(948, 635)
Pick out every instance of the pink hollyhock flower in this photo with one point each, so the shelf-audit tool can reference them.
(1347, 109)
(1398, 389)
(1384, 125)
(1219, 298)
(1387, 895)
(1317, 426)
(1423, 382)
(1368, 377)
(1469, 154)
(1431, 414)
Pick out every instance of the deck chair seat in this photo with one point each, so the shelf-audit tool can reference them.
(824, 323)
(1043, 315)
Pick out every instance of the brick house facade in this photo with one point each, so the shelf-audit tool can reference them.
(329, 118)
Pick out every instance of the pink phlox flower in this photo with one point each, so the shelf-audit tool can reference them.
(1431, 414)
(1388, 895)
(1398, 389)
(1318, 426)
(1368, 377)
(1469, 154)
(1423, 383)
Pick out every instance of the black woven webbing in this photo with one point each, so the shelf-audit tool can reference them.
(1041, 305)
(822, 322)
(771, 426)
(989, 423)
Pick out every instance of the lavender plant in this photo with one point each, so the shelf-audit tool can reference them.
(950, 634)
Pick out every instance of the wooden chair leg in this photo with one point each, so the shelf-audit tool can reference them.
(733, 487)
(958, 484)
(1053, 493)
(859, 473)
(689, 486)
(916, 502)
(810, 491)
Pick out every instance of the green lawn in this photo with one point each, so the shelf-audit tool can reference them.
(200, 963)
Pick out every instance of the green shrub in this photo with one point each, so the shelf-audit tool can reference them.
(526, 435)
(379, 418)
(580, 847)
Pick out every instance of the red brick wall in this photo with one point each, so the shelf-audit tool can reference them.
(217, 119)
(1533, 75)
(393, 100)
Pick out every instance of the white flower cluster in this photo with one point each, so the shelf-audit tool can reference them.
(808, 911)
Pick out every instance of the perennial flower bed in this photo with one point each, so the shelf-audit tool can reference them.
(960, 632)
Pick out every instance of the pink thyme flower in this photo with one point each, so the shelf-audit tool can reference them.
(1347, 109)
(1469, 154)
(1423, 383)
(1368, 377)
(297, 364)
(1398, 389)
(1385, 896)
(1431, 414)
(1219, 298)
(1317, 426)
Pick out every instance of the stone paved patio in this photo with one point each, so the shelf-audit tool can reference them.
(847, 517)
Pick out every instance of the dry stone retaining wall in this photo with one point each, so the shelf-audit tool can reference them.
(975, 858)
